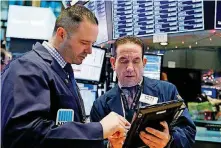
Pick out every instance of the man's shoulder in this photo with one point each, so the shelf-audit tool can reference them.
(33, 55)
(29, 61)
(153, 83)
(29, 57)
(161, 89)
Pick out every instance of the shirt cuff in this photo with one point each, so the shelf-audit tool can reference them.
(170, 142)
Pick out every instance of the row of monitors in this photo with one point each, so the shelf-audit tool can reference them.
(91, 68)
(37, 19)
(145, 18)
(134, 17)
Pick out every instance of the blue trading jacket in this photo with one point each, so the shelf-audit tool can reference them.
(33, 88)
(184, 131)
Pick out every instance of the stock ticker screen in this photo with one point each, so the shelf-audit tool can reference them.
(98, 8)
(143, 18)
(153, 67)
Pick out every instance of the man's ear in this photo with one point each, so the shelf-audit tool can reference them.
(61, 33)
(144, 62)
(112, 61)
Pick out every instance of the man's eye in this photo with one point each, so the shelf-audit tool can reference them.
(137, 61)
(123, 61)
(83, 43)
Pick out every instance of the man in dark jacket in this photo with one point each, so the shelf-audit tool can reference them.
(40, 86)
(128, 62)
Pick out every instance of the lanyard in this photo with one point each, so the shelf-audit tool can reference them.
(134, 105)
(129, 111)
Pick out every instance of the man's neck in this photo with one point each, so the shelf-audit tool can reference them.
(53, 43)
(140, 82)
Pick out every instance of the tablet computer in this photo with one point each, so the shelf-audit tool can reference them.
(151, 116)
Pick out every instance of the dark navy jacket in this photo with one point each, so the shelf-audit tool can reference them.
(33, 89)
(184, 131)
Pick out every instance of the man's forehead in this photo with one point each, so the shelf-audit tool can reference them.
(129, 54)
(129, 48)
(87, 31)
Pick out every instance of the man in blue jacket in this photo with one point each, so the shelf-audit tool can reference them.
(128, 62)
(36, 86)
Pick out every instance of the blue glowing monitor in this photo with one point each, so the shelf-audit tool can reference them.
(153, 67)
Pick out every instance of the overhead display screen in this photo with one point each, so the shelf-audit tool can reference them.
(217, 14)
(98, 8)
(143, 18)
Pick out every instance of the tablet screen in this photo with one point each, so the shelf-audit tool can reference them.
(151, 116)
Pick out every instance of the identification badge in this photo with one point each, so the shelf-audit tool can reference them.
(148, 99)
(64, 115)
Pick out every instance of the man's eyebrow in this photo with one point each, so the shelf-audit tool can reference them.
(122, 58)
(137, 58)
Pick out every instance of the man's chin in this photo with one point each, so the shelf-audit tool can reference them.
(78, 62)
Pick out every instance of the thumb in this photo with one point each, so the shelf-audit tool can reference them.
(165, 125)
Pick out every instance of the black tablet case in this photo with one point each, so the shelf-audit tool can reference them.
(151, 116)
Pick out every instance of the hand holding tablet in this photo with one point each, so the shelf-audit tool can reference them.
(156, 120)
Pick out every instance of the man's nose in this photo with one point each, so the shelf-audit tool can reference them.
(130, 67)
(89, 49)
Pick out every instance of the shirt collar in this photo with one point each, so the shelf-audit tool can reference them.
(55, 54)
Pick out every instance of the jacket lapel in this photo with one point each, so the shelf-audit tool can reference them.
(149, 88)
(44, 54)
(114, 102)
(57, 68)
